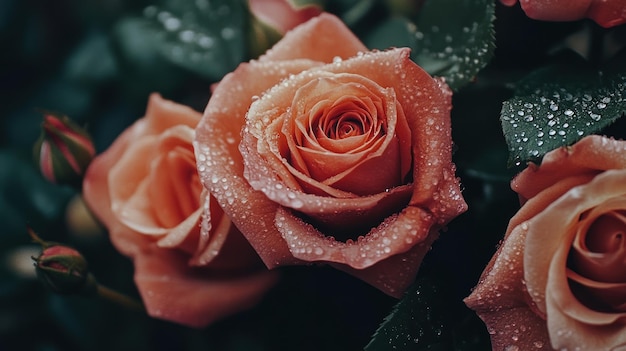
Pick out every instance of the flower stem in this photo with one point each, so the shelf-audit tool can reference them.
(119, 298)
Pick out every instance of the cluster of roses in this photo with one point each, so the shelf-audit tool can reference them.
(321, 151)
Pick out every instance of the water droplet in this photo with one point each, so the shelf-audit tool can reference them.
(172, 23)
(186, 36)
(205, 41)
(568, 112)
(553, 106)
(227, 33)
(150, 11)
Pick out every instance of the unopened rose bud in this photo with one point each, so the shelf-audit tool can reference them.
(64, 270)
(271, 19)
(63, 151)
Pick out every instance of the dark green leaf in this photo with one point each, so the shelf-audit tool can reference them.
(352, 12)
(558, 105)
(27, 199)
(204, 36)
(393, 32)
(143, 68)
(454, 38)
(416, 322)
(92, 62)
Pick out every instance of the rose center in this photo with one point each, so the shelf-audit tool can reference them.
(175, 170)
(346, 126)
(597, 261)
(342, 129)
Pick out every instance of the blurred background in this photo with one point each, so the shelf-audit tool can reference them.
(98, 60)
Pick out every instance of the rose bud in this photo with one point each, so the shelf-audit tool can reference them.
(64, 270)
(63, 151)
(271, 19)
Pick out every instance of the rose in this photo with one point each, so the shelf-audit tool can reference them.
(607, 13)
(559, 277)
(145, 189)
(344, 156)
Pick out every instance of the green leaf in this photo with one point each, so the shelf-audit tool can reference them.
(27, 199)
(206, 37)
(392, 32)
(558, 105)
(416, 322)
(354, 13)
(454, 38)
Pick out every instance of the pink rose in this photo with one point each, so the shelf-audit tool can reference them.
(559, 277)
(146, 190)
(607, 13)
(282, 15)
(321, 151)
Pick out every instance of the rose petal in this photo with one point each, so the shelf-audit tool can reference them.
(220, 164)
(321, 39)
(138, 184)
(599, 248)
(307, 243)
(589, 156)
(599, 296)
(404, 267)
(608, 13)
(556, 10)
(501, 301)
(173, 291)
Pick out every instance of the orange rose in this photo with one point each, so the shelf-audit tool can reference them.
(559, 278)
(146, 190)
(607, 13)
(344, 156)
